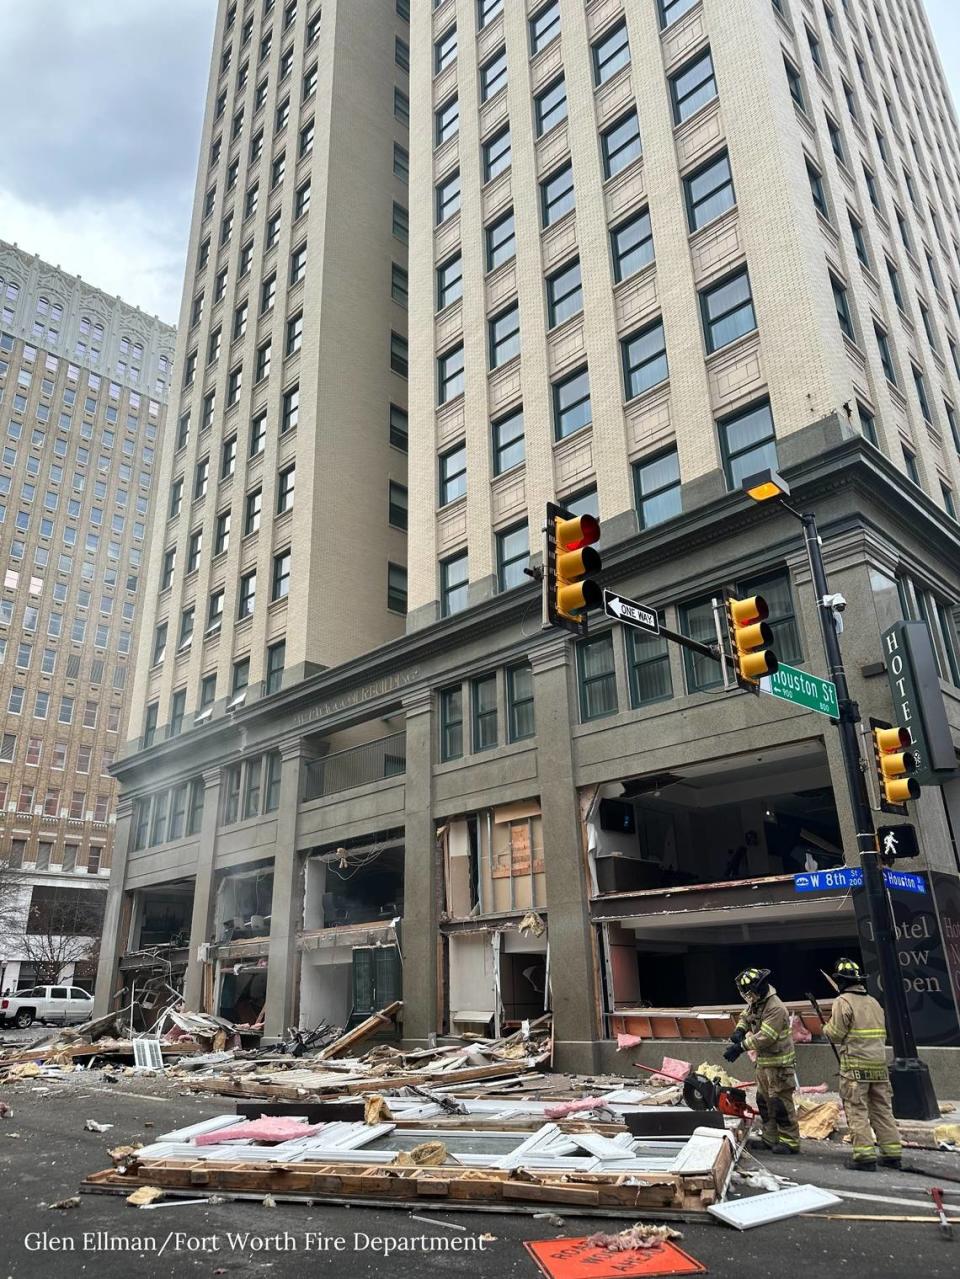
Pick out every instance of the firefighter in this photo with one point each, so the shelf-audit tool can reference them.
(857, 1025)
(764, 1028)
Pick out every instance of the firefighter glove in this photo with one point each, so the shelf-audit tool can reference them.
(733, 1052)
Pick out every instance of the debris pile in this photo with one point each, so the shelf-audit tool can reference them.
(175, 1034)
(635, 1238)
(334, 1069)
(497, 1150)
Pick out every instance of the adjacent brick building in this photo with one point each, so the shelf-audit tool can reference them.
(83, 390)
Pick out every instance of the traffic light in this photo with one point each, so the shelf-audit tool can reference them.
(750, 639)
(895, 764)
(571, 564)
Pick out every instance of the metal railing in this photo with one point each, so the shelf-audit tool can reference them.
(358, 766)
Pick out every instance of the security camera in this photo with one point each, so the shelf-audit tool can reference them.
(835, 602)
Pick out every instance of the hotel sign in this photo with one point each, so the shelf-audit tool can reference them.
(918, 700)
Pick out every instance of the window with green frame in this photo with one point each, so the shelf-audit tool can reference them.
(951, 641)
(451, 723)
(520, 712)
(485, 713)
(943, 633)
(775, 589)
(696, 621)
(648, 659)
(597, 677)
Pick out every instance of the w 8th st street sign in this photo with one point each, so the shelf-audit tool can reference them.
(802, 689)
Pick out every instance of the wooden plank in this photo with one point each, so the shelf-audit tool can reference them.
(552, 1193)
(381, 1186)
(432, 1186)
(366, 1028)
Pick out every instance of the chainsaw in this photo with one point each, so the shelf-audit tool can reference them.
(700, 1092)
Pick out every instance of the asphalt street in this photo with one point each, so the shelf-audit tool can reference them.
(45, 1153)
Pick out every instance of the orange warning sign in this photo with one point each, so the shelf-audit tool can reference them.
(576, 1259)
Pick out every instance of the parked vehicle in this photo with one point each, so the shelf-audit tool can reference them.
(55, 1005)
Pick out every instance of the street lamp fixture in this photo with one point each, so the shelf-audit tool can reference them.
(766, 485)
(913, 1094)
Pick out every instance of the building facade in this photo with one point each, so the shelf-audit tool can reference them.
(83, 391)
(654, 248)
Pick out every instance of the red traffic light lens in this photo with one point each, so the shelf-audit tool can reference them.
(589, 533)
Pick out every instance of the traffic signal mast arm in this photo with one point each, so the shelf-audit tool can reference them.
(570, 590)
(712, 651)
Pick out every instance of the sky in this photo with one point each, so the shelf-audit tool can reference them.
(104, 104)
(103, 107)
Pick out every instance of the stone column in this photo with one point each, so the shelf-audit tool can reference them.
(573, 979)
(203, 894)
(112, 945)
(286, 911)
(421, 879)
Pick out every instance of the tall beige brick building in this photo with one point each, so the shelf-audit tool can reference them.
(286, 472)
(661, 209)
(655, 246)
(84, 379)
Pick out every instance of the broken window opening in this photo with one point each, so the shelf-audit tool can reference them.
(243, 993)
(354, 885)
(718, 822)
(244, 905)
(165, 916)
(493, 861)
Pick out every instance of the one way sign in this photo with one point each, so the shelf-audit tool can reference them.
(631, 612)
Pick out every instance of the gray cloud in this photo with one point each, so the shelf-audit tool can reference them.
(104, 110)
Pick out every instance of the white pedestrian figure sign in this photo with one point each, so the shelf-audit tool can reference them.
(896, 842)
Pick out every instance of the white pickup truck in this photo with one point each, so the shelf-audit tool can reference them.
(57, 1005)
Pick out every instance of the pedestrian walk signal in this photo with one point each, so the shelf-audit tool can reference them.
(751, 639)
(572, 563)
(895, 765)
(897, 842)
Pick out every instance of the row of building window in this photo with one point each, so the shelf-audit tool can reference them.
(251, 788)
(42, 857)
(47, 386)
(747, 445)
(239, 684)
(710, 193)
(168, 815)
(252, 513)
(726, 308)
(838, 147)
(246, 602)
(896, 96)
(691, 87)
(256, 444)
(470, 711)
(76, 810)
(648, 667)
(16, 701)
(59, 752)
(45, 329)
(848, 326)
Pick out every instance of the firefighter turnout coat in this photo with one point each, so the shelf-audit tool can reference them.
(858, 1027)
(766, 1024)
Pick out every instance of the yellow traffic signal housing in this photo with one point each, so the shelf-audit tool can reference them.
(571, 563)
(895, 765)
(750, 639)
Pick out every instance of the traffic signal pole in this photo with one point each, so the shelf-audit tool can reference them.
(913, 1095)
